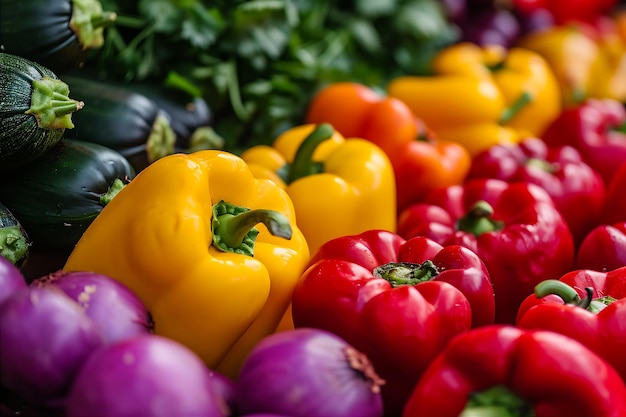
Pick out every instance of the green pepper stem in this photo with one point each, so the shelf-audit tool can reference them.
(497, 401)
(406, 273)
(621, 128)
(541, 164)
(553, 286)
(487, 411)
(570, 296)
(233, 227)
(478, 220)
(515, 108)
(303, 164)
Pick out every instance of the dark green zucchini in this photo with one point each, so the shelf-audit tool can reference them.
(57, 34)
(190, 117)
(121, 119)
(14, 242)
(35, 110)
(58, 196)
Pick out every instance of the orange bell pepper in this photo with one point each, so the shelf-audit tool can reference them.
(420, 161)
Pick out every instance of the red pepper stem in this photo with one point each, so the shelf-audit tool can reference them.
(570, 296)
(406, 273)
(303, 164)
(233, 227)
(497, 401)
(478, 220)
(541, 164)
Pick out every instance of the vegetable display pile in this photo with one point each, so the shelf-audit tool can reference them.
(299, 208)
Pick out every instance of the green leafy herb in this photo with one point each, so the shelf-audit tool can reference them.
(258, 62)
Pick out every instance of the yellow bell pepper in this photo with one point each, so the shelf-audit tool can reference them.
(212, 251)
(586, 65)
(339, 186)
(482, 96)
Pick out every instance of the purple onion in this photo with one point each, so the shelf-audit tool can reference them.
(225, 388)
(45, 337)
(308, 372)
(117, 310)
(492, 27)
(147, 375)
(11, 279)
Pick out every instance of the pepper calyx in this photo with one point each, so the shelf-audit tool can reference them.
(540, 164)
(497, 401)
(406, 273)
(233, 228)
(478, 220)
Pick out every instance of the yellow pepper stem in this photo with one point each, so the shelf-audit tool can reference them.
(508, 114)
(303, 164)
(233, 227)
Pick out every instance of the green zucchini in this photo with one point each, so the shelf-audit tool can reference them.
(58, 196)
(14, 242)
(57, 34)
(121, 119)
(35, 110)
(190, 117)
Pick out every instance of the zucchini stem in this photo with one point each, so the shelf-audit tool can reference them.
(51, 105)
(87, 22)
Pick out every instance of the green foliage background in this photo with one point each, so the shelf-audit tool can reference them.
(258, 62)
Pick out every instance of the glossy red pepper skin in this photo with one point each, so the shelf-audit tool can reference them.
(533, 242)
(614, 209)
(401, 328)
(603, 248)
(593, 128)
(552, 376)
(577, 189)
(604, 332)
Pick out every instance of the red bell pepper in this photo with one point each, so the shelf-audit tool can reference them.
(614, 209)
(604, 248)
(593, 128)
(398, 301)
(515, 228)
(502, 370)
(586, 305)
(577, 189)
